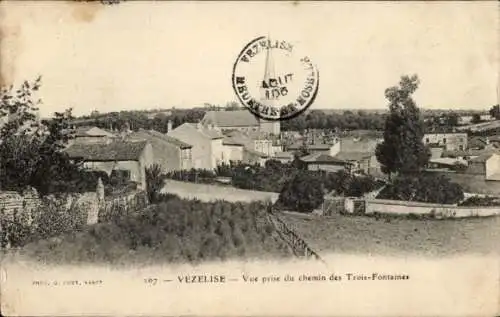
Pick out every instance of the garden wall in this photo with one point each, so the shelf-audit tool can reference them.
(416, 208)
(206, 192)
(95, 206)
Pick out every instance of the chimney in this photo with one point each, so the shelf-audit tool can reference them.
(169, 126)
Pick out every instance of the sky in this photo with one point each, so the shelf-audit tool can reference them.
(146, 55)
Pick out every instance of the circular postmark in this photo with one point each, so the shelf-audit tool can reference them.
(274, 80)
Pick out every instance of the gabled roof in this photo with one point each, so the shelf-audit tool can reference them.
(203, 131)
(353, 156)
(482, 158)
(147, 134)
(90, 131)
(115, 151)
(256, 153)
(232, 141)
(235, 118)
(322, 158)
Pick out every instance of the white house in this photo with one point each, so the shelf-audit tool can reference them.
(207, 148)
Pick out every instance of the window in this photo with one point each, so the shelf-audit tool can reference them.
(461, 147)
(444, 140)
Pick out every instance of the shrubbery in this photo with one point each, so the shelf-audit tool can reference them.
(173, 231)
(303, 193)
(481, 201)
(51, 218)
(423, 188)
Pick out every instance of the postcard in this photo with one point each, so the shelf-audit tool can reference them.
(234, 158)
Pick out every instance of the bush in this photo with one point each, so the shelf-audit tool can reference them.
(423, 188)
(172, 231)
(155, 181)
(481, 201)
(304, 193)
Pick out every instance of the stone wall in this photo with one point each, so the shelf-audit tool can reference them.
(438, 210)
(10, 201)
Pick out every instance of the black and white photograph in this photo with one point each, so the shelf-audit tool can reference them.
(265, 158)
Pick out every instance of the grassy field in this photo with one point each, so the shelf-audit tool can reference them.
(350, 234)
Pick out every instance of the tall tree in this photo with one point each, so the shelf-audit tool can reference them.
(402, 150)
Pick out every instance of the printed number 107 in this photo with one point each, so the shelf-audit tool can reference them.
(151, 281)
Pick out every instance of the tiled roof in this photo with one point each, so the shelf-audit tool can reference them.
(353, 156)
(169, 139)
(322, 158)
(482, 158)
(447, 161)
(257, 153)
(232, 141)
(284, 155)
(317, 146)
(83, 131)
(211, 133)
(115, 151)
(236, 118)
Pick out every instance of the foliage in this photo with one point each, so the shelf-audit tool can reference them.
(155, 181)
(402, 150)
(480, 201)
(423, 188)
(173, 231)
(51, 218)
(30, 151)
(304, 193)
(495, 112)
(476, 118)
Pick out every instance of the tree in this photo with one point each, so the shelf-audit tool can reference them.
(155, 181)
(495, 112)
(303, 193)
(31, 151)
(402, 150)
(423, 188)
(476, 118)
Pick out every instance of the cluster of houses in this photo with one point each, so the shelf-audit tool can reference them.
(220, 137)
(238, 136)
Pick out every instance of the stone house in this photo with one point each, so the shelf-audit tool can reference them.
(129, 159)
(207, 147)
(233, 150)
(242, 120)
(450, 141)
(255, 141)
(487, 164)
(170, 153)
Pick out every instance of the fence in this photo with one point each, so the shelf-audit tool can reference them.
(299, 246)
